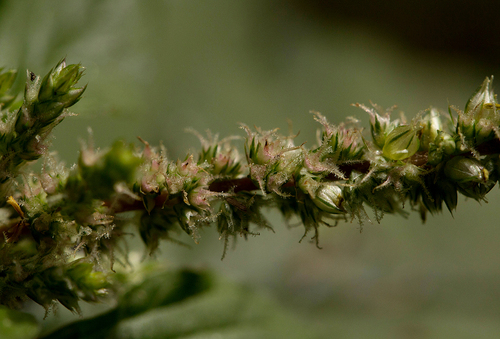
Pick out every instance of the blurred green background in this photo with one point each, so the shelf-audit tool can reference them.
(157, 67)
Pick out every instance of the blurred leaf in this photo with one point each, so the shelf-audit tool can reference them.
(155, 288)
(187, 304)
(15, 324)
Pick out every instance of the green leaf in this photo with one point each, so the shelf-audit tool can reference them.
(17, 325)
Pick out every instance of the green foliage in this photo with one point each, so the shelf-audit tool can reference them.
(154, 303)
(17, 325)
(63, 228)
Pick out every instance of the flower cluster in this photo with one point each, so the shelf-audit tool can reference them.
(62, 229)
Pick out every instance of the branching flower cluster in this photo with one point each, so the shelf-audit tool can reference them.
(63, 228)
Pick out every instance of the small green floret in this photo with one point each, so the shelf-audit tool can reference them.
(102, 172)
(401, 143)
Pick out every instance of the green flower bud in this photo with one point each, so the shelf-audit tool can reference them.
(481, 116)
(290, 161)
(59, 80)
(401, 143)
(461, 170)
(482, 104)
(225, 165)
(443, 145)
(306, 182)
(47, 91)
(57, 90)
(72, 96)
(102, 172)
(200, 198)
(380, 126)
(24, 119)
(431, 125)
(266, 147)
(67, 77)
(328, 197)
(32, 88)
(434, 157)
(120, 162)
(475, 179)
(446, 143)
(45, 101)
(225, 160)
(263, 151)
(188, 168)
(338, 143)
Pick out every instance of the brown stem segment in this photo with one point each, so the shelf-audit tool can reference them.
(237, 185)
